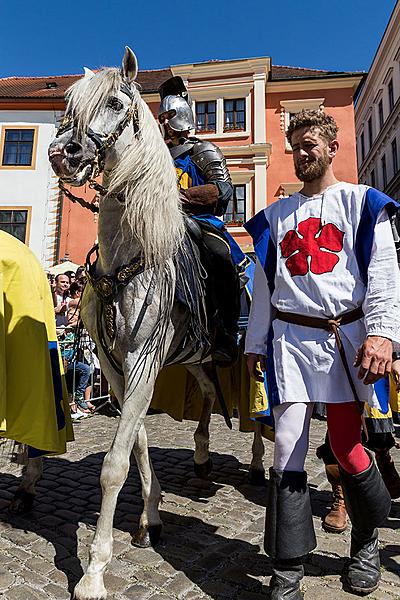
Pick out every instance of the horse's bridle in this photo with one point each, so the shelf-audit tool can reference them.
(102, 143)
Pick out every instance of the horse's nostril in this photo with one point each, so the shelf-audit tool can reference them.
(73, 148)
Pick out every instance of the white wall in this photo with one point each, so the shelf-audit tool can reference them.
(36, 187)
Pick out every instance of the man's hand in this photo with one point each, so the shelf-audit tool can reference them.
(374, 358)
(255, 362)
(396, 373)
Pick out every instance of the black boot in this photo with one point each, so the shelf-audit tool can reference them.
(368, 505)
(289, 532)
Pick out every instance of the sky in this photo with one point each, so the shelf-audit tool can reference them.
(56, 38)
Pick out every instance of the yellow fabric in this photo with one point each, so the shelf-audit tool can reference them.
(177, 394)
(27, 324)
(394, 404)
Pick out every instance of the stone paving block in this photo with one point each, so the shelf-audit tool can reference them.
(25, 592)
(57, 592)
(6, 579)
(39, 565)
(179, 585)
(137, 592)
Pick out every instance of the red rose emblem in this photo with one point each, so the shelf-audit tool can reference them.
(314, 240)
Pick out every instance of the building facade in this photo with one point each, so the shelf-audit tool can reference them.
(377, 113)
(244, 106)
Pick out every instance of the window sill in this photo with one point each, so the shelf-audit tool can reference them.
(235, 228)
(225, 135)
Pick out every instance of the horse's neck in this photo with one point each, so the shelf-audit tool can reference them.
(117, 246)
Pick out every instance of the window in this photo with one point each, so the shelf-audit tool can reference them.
(380, 114)
(362, 147)
(234, 114)
(373, 178)
(370, 132)
(15, 222)
(18, 147)
(206, 116)
(390, 95)
(236, 211)
(384, 173)
(394, 157)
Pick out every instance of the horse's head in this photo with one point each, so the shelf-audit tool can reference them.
(100, 122)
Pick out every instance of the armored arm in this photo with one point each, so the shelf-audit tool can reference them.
(212, 164)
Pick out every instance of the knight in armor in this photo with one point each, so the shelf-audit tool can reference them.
(205, 190)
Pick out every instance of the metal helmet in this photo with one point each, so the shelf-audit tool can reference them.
(175, 97)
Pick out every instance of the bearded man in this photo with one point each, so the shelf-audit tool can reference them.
(326, 300)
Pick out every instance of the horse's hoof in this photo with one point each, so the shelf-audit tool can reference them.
(202, 471)
(257, 477)
(21, 503)
(147, 537)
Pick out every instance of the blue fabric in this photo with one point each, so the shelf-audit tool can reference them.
(58, 395)
(382, 392)
(373, 204)
(185, 166)
(265, 249)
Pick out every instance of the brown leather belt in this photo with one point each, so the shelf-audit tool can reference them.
(333, 326)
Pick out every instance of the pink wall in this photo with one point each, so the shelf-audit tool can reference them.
(339, 104)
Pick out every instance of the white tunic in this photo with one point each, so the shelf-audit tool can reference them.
(317, 274)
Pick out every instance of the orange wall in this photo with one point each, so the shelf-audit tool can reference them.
(78, 228)
(339, 104)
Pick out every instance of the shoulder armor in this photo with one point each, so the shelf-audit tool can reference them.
(210, 160)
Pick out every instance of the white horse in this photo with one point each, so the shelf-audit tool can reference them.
(129, 307)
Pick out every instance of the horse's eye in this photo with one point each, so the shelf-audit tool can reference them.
(115, 104)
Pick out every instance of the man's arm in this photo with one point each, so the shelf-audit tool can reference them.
(381, 306)
(259, 324)
(212, 164)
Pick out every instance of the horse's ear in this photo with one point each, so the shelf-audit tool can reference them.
(129, 65)
(88, 73)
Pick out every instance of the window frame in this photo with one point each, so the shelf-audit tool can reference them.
(28, 219)
(390, 95)
(6, 128)
(237, 222)
(234, 111)
(206, 130)
(381, 119)
(362, 147)
(395, 156)
(384, 171)
(370, 133)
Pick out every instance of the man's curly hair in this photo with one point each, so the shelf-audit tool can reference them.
(316, 119)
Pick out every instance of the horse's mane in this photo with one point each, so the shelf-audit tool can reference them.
(145, 172)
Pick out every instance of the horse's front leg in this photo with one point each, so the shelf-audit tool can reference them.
(202, 461)
(256, 470)
(25, 494)
(150, 522)
(113, 475)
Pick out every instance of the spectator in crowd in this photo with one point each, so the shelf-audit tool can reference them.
(75, 292)
(60, 299)
(70, 275)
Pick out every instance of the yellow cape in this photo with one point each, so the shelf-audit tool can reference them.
(177, 393)
(33, 400)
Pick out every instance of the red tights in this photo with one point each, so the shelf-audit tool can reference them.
(344, 429)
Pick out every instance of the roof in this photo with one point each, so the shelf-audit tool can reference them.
(54, 87)
(283, 72)
(36, 88)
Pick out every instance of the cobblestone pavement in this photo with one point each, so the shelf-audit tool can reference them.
(213, 530)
